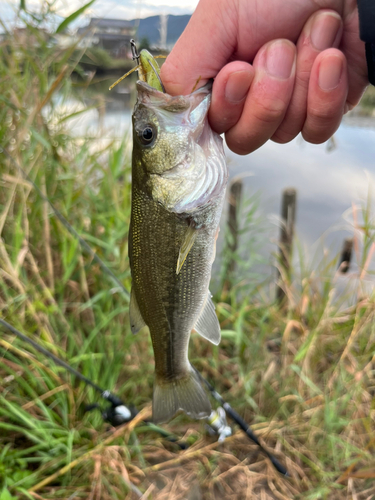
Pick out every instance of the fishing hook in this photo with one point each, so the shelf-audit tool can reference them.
(135, 54)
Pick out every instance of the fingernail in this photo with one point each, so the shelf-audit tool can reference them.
(330, 72)
(280, 56)
(325, 29)
(237, 86)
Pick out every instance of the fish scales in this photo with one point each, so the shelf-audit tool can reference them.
(168, 300)
(177, 299)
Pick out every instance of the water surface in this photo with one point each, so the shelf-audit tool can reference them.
(329, 178)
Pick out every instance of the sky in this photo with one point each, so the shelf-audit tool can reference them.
(118, 9)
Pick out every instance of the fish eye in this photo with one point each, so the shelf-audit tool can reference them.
(147, 135)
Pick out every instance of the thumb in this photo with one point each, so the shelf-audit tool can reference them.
(203, 48)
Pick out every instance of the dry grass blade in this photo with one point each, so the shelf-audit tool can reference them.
(182, 458)
(30, 404)
(47, 238)
(26, 355)
(272, 365)
(124, 430)
(52, 89)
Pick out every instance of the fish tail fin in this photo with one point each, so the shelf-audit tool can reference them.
(185, 394)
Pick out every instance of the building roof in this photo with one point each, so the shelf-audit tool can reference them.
(110, 23)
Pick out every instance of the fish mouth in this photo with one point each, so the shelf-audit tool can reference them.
(149, 95)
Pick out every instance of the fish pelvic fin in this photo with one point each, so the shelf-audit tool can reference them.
(186, 394)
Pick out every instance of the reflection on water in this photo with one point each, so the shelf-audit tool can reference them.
(108, 114)
(328, 179)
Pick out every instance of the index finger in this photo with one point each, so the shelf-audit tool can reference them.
(202, 50)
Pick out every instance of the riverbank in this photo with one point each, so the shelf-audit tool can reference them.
(302, 375)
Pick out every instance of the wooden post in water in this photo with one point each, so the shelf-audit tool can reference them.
(288, 217)
(235, 194)
(346, 255)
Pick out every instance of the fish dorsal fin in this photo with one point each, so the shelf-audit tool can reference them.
(136, 320)
(208, 325)
(189, 239)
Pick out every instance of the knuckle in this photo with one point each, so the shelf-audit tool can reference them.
(314, 137)
(238, 145)
(269, 111)
(221, 118)
(320, 113)
(321, 124)
(303, 79)
(282, 136)
(222, 124)
(318, 133)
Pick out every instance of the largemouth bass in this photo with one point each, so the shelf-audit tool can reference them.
(179, 176)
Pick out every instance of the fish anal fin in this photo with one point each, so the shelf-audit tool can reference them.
(208, 325)
(186, 394)
(189, 239)
(136, 320)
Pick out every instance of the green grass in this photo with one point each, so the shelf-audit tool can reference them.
(303, 376)
(368, 101)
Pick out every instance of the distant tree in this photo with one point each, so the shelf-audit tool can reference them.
(144, 44)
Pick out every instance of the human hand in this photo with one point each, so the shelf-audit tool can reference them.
(308, 67)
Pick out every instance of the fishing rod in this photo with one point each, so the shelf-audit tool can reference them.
(115, 401)
(242, 424)
(119, 412)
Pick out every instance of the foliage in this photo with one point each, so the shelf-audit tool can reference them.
(368, 100)
(302, 376)
(144, 44)
(75, 15)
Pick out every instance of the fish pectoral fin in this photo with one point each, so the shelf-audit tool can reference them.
(136, 320)
(208, 325)
(190, 237)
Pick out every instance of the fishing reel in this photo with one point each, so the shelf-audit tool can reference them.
(117, 414)
(217, 424)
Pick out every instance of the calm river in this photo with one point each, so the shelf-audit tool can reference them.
(329, 178)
